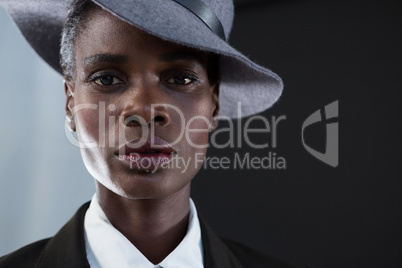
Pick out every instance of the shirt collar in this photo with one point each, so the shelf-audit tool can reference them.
(107, 247)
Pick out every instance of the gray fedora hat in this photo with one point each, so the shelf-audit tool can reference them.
(201, 24)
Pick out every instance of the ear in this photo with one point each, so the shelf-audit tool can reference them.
(215, 102)
(69, 91)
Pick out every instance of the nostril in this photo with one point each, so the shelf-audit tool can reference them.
(159, 119)
(134, 121)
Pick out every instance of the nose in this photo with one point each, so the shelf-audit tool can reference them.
(144, 107)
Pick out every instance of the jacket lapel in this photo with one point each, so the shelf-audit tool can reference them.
(216, 253)
(67, 247)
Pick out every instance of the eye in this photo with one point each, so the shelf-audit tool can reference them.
(182, 79)
(107, 80)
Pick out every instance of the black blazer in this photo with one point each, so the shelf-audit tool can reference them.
(67, 249)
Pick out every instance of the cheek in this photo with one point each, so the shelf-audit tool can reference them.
(90, 118)
(196, 132)
(198, 124)
(92, 136)
(88, 123)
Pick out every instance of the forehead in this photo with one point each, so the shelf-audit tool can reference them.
(104, 33)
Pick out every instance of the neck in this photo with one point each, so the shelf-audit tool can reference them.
(154, 226)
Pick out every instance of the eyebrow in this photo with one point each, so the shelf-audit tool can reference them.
(176, 56)
(120, 59)
(105, 58)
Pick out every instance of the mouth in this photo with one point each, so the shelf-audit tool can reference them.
(146, 155)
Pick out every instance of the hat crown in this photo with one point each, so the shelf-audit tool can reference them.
(224, 10)
(241, 80)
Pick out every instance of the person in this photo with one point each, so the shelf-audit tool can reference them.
(145, 84)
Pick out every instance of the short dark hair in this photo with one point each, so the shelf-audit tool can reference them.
(75, 23)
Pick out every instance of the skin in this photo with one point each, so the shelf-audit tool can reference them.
(150, 209)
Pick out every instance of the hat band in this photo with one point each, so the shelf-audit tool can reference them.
(206, 15)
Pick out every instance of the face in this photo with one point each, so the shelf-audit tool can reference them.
(134, 98)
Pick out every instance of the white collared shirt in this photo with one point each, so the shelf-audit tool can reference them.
(106, 247)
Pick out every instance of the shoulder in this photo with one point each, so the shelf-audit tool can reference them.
(24, 257)
(249, 257)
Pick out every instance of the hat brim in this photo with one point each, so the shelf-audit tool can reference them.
(242, 80)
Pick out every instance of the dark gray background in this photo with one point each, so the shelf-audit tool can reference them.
(313, 214)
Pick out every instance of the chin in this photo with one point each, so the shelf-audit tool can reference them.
(144, 185)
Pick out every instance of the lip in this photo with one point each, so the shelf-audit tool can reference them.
(146, 155)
